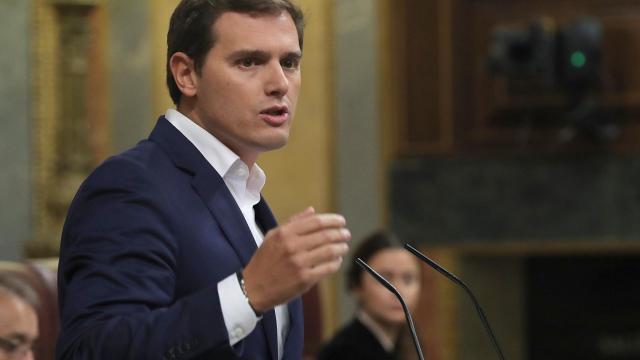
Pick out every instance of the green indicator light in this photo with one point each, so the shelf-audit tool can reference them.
(578, 59)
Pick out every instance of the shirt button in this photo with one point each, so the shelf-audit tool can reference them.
(238, 332)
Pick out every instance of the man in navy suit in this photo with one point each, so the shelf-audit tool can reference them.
(169, 251)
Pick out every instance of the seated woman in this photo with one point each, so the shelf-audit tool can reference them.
(379, 329)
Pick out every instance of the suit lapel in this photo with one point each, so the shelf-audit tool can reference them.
(221, 204)
(266, 221)
(209, 185)
(228, 214)
(224, 209)
(264, 217)
(295, 339)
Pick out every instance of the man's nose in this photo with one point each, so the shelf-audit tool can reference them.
(277, 83)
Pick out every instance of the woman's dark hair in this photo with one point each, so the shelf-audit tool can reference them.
(190, 28)
(370, 246)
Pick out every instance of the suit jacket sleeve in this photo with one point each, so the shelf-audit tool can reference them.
(117, 276)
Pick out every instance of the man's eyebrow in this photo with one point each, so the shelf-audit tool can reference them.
(293, 55)
(260, 54)
(242, 54)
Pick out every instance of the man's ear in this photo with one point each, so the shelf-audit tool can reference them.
(184, 73)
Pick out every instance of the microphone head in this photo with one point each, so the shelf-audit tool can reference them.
(377, 276)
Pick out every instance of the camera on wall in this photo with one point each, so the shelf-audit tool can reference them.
(567, 57)
(542, 57)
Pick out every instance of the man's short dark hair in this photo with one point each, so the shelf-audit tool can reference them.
(14, 285)
(190, 28)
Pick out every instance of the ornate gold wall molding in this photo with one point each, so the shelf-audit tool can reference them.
(69, 109)
(95, 3)
(161, 11)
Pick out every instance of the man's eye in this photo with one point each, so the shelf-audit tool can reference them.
(289, 64)
(248, 62)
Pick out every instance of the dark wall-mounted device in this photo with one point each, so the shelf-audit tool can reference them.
(568, 57)
(542, 58)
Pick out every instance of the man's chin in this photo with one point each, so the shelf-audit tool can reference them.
(275, 142)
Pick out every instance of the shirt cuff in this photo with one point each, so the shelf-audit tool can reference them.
(239, 317)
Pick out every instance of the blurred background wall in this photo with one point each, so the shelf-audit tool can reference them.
(501, 137)
(15, 129)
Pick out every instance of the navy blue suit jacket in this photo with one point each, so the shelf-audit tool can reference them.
(147, 238)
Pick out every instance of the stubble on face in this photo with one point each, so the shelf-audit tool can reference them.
(248, 88)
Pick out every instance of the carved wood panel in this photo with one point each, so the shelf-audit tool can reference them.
(70, 129)
(421, 49)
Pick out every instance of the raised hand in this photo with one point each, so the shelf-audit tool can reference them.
(294, 257)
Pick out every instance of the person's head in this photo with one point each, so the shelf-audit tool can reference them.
(233, 68)
(18, 318)
(385, 254)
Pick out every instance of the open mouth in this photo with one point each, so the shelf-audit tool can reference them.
(276, 111)
(275, 116)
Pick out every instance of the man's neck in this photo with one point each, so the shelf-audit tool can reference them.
(191, 114)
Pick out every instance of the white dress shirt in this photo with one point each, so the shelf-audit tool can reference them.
(245, 185)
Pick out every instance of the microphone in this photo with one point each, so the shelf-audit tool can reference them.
(459, 282)
(391, 288)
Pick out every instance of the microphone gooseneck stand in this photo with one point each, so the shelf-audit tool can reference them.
(455, 279)
(391, 288)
